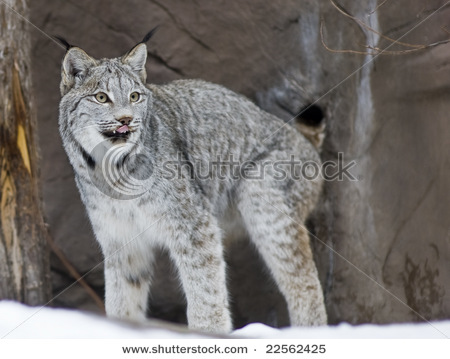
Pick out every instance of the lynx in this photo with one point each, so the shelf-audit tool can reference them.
(182, 166)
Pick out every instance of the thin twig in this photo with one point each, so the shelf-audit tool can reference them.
(339, 51)
(444, 28)
(402, 52)
(376, 50)
(74, 273)
(367, 27)
(378, 6)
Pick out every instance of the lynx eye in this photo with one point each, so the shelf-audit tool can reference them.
(101, 97)
(135, 96)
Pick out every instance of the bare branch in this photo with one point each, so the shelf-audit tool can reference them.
(74, 273)
(378, 6)
(372, 49)
(339, 51)
(367, 27)
(444, 28)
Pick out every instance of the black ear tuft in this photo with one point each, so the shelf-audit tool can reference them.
(149, 35)
(64, 42)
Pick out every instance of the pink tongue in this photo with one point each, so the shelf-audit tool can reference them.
(123, 129)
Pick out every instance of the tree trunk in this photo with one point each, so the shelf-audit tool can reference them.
(24, 264)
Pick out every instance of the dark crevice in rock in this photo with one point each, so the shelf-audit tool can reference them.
(181, 27)
(163, 62)
(311, 115)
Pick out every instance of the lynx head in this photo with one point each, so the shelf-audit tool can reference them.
(104, 100)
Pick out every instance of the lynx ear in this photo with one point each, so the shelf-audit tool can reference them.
(136, 59)
(137, 56)
(74, 68)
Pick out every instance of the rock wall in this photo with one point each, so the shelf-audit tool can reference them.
(381, 241)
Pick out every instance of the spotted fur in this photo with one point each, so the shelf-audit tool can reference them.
(159, 145)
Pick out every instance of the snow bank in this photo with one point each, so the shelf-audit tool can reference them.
(20, 321)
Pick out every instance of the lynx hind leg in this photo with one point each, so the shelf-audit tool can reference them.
(283, 243)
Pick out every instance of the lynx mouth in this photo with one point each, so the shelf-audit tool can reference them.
(122, 132)
(123, 129)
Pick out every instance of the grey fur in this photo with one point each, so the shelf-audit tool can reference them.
(157, 200)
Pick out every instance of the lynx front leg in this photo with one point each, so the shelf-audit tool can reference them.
(126, 288)
(199, 258)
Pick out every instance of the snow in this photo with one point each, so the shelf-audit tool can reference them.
(20, 321)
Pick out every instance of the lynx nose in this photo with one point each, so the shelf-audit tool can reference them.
(125, 120)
